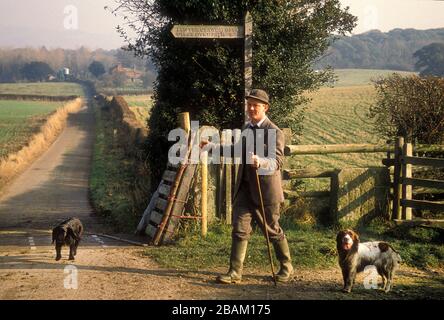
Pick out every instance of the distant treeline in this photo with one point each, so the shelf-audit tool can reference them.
(12, 61)
(377, 50)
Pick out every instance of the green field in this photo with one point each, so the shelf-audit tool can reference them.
(42, 88)
(338, 116)
(19, 120)
(359, 77)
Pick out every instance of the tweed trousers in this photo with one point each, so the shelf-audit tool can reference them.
(244, 211)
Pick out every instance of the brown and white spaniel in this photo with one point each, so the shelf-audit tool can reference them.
(355, 256)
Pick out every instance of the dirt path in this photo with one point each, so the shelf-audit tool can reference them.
(56, 187)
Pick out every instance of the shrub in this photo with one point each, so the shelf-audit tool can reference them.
(411, 106)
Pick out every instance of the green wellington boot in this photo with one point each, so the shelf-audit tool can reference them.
(238, 251)
(283, 255)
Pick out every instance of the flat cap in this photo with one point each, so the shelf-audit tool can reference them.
(260, 95)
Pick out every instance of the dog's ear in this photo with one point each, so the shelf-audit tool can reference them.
(355, 236)
(339, 237)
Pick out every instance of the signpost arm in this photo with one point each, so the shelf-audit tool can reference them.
(248, 59)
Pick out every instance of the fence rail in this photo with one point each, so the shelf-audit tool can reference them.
(335, 148)
(402, 185)
(353, 148)
(422, 161)
(427, 183)
(403, 163)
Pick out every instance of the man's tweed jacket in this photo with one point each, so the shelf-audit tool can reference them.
(270, 168)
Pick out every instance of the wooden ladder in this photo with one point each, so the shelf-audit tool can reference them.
(166, 207)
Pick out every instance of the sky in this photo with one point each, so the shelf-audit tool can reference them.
(386, 15)
(73, 23)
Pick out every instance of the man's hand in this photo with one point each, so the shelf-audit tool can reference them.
(255, 161)
(203, 143)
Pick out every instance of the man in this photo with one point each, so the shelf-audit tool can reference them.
(246, 202)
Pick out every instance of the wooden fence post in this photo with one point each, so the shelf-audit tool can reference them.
(184, 121)
(204, 195)
(397, 213)
(228, 194)
(407, 188)
(221, 181)
(227, 177)
(390, 203)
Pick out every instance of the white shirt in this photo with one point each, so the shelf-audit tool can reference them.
(257, 124)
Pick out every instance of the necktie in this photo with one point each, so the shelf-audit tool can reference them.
(254, 128)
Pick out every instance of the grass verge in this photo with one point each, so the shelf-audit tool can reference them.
(113, 179)
(311, 246)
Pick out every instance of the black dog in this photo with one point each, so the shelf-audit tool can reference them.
(68, 232)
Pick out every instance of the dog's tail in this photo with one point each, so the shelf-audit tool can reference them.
(396, 253)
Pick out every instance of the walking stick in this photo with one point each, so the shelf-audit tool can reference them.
(265, 227)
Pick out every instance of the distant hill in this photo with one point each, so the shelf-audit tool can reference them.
(378, 50)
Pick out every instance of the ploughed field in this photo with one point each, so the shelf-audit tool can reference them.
(338, 115)
(19, 120)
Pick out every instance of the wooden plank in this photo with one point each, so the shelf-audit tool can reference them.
(397, 186)
(208, 31)
(173, 167)
(204, 193)
(307, 173)
(221, 179)
(422, 204)
(169, 175)
(164, 190)
(438, 184)
(184, 121)
(228, 193)
(425, 222)
(150, 230)
(181, 198)
(169, 233)
(406, 188)
(335, 148)
(161, 204)
(156, 217)
(423, 161)
(174, 197)
(248, 59)
(146, 214)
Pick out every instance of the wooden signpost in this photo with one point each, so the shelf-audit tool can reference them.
(225, 32)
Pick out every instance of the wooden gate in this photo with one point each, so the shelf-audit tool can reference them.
(404, 161)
